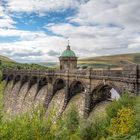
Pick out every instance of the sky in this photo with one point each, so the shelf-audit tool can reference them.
(39, 30)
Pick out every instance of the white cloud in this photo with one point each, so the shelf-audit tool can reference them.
(5, 20)
(68, 30)
(36, 48)
(125, 13)
(41, 6)
(105, 27)
(22, 34)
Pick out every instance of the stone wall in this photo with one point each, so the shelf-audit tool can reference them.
(30, 88)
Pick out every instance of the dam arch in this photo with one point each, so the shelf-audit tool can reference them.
(32, 80)
(23, 80)
(91, 81)
(75, 87)
(104, 92)
(16, 79)
(43, 81)
(58, 85)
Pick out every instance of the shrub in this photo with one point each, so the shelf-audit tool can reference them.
(72, 120)
(67, 127)
(124, 122)
(124, 101)
(0, 75)
(137, 112)
(94, 130)
(28, 126)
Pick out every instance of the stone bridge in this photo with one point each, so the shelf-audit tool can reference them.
(95, 84)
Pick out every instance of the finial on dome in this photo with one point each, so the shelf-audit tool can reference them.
(68, 47)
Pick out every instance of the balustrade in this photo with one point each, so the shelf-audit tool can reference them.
(85, 72)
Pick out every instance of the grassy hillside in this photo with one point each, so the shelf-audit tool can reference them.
(6, 62)
(113, 61)
(5, 59)
(49, 64)
(110, 61)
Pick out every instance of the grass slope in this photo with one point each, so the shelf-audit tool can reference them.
(112, 61)
(5, 59)
(7, 63)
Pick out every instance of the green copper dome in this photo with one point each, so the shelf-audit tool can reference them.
(68, 53)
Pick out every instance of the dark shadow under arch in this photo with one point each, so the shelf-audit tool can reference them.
(40, 84)
(58, 85)
(32, 81)
(75, 88)
(16, 79)
(52, 89)
(23, 80)
(102, 93)
(9, 79)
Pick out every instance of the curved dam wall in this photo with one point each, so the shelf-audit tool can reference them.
(58, 90)
(20, 100)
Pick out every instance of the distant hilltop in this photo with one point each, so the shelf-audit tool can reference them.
(5, 59)
(96, 62)
(113, 61)
(110, 61)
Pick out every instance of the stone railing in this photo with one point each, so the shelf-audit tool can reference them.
(85, 72)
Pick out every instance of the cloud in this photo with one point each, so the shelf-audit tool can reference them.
(37, 49)
(117, 12)
(53, 53)
(5, 20)
(100, 27)
(68, 30)
(41, 6)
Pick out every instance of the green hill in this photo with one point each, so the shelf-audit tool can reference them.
(113, 61)
(5, 59)
(110, 61)
(7, 63)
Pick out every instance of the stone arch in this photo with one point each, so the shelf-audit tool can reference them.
(102, 92)
(9, 78)
(40, 84)
(53, 87)
(32, 81)
(23, 80)
(58, 85)
(16, 79)
(114, 86)
(76, 87)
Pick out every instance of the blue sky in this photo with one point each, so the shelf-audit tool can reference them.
(38, 30)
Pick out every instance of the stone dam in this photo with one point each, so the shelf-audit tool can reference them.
(60, 89)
